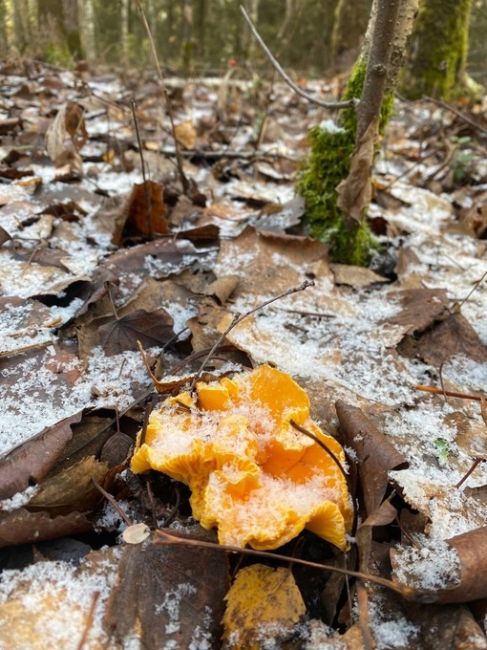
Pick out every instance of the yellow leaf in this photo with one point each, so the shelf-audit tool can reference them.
(186, 134)
(263, 604)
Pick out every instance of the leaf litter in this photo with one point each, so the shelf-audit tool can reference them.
(82, 282)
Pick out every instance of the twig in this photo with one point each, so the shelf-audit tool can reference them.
(238, 319)
(321, 444)
(169, 537)
(325, 448)
(89, 620)
(458, 113)
(473, 466)
(449, 393)
(147, 193)
(112, 502)
(277, 66)
(476, 285)
(179, 159)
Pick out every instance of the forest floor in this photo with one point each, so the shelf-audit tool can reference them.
(83, 280)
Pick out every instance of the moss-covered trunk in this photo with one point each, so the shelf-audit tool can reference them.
(439, 48)
(333, 160)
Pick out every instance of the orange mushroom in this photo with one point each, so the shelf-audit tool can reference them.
(251, 473)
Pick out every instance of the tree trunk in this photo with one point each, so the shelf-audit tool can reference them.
(336, 182)
(351, 18)
(86, 16)
(439, 49)
(187, 36)
(125, 32)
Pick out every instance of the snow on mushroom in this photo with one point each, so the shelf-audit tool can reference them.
(251, 473)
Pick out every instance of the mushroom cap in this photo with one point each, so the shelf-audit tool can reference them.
(251, 473)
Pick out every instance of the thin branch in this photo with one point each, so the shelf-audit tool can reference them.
(476, 285)
(112, 502)
(277, 66)
(179, 159)
(89, 620)
(458, 113)
(147, 193)
(449, 393)
(169, 537)
(236, 320)
(473, 466)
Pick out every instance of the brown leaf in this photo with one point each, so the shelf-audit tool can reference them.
(29, 463)
(146, 210)
(453, 336)
(150, 328)
(222, 288)
(186, 134)
(4, 236)
(24, 527)
(66, 135)
(355, 192)
(170, 594)
(420, 308)
(71, 489)
(355, 276)
(471, 548)
(376, 455)
(384, 515)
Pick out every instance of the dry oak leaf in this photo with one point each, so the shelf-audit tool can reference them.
(251, 473)
(263, 605)
(145, 212)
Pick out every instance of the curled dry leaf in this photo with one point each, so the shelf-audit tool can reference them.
(29, 463)
(145, 212)
(71, 489)
(355, 192)
(263, 605)
(375, 453)
(66, 135)
(25, 527)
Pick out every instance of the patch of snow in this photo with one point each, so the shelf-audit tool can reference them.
(431, 565)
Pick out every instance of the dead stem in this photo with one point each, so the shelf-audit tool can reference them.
(147, 194)
(179, 159)
(449, 393)
(238, 319)
(476, 462)
(277, 66)
(112, 501)
(169, 537)
(89, 621)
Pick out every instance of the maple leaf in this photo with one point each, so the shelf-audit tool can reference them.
(150, 328)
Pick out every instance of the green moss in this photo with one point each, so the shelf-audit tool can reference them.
(327, 165)
(439, 47)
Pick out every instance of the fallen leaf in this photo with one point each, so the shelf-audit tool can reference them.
(376, 455)
(419, 308)
(355, 276)
(150, 328)
(4, 236)
(25, 527)
(263, 606)
(30, 462)
(222, 288)
(168, 594)
(71, 489)
(66, 136)
(186, 134)
(145, 211)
